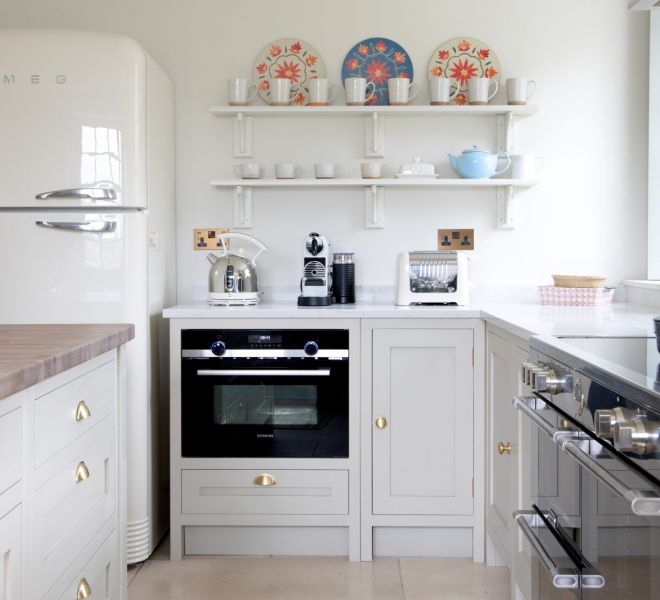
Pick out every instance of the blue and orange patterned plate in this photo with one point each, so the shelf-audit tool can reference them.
(290, 58)
(377, 60)
(461, 59)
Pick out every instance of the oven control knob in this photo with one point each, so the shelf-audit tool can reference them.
(311, 348)
(606, 419)
(218, 348)
(639, 436)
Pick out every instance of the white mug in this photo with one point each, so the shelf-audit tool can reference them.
(280, 91)
(356, 90)
(371, 170)
(238, 91)
(287, 170)
(325, 170)
(518, 90)
(441, 90)
(479, 88)
(248, 170)
(400, 90)
(526, 166)
(321, 93)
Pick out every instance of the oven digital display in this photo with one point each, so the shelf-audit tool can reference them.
(264, 340)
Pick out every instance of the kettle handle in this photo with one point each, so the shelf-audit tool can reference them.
(242, 236)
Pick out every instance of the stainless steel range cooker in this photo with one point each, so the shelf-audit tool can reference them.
(593, 523)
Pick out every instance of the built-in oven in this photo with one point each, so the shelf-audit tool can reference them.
(264, 393)
(593, 524)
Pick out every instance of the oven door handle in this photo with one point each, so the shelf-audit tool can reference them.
(562, 577)
(263, 372)
(642, 502)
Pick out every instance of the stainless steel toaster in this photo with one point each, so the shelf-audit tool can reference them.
(433, 277)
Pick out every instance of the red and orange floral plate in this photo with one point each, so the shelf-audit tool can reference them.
(290, 58)
(377, 60)
(461, 59)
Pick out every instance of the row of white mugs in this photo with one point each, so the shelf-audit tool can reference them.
(523, 166)
(480, 90)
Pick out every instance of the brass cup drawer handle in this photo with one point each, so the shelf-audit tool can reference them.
(265, 479)
(82, 472)
(380, 422)
(84, 590)
(82, 411)
(503, 448)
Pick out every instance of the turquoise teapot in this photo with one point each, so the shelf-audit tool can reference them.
(478, 164)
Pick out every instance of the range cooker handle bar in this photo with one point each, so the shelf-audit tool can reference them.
(562, 577)
(642, 502)
(264, 372)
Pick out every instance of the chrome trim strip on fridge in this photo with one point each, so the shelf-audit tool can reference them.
(264, 353)
(642, 502)
(562, 577)
(91, 193)
(84, 226)
(264, 372)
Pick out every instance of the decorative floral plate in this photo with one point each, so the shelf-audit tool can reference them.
(377, 60)
(461, 59)
(290, 58)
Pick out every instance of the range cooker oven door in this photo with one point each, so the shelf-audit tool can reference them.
(280, 408)
(613, 539)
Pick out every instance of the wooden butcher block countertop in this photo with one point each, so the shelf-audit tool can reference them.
(31, 353)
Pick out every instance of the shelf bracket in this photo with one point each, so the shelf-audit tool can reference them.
(506, 133)
(242, 136)
(506, 207)
(374, 207)
(374, 135)
(242, 207)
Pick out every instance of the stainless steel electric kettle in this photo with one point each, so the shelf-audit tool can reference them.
(233, 277)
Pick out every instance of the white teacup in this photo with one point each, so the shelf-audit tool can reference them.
(248, 170)
(441, 90)
(238, 91)
(479, 90)
(400, 90)
(280, 91)
(356, 90)
(287, 170)
(518, 90)
(526, 166)
(371, 170)
(321, 92)
(325, 170)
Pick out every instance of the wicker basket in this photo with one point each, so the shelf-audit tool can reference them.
(579, 281)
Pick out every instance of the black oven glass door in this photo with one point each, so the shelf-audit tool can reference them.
(265, 408)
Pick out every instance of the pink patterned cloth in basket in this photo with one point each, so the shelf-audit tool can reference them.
(575, 296)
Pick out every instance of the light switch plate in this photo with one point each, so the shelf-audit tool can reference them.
(455, 239)
(207, 239)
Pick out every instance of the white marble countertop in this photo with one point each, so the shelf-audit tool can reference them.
(523, 320)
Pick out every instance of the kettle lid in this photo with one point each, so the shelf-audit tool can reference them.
(474, 149)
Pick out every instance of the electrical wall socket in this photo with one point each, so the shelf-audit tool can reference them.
(207, 239)
(455, 239)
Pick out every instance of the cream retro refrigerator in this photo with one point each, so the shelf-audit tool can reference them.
(87, 219)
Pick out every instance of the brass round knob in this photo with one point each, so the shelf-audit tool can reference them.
(380, 422)
(504, 448)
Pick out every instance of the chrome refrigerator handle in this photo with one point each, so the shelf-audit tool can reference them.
(642, 502)
(91, 193)
(85, 226)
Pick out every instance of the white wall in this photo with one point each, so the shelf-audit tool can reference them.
(588, 57)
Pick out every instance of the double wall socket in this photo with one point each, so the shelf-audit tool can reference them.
(455, 239)
(207, 239)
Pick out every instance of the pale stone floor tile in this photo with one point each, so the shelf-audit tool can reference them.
(272, 578)
(132, 571)
(452, 579)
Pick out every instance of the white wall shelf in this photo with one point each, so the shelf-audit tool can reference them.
(374, 138)
(374, 192)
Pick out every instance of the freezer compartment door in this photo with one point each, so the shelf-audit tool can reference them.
(73, 120)
(73, 267)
